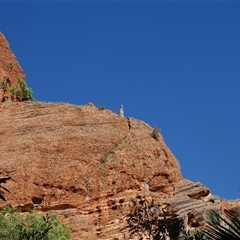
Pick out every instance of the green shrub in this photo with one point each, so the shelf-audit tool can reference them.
(23, 92)
(105, 156)
(4, 86)
(14, 226)
(9, 65)
(155, 132)
(101, 108)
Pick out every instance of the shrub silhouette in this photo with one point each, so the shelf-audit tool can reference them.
(148, 220)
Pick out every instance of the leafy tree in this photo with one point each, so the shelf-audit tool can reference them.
(147, 219)
(14, 226)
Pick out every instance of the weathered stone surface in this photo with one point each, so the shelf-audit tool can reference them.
(87, 164)
(83, 162)
(192, 201)
(9, 67)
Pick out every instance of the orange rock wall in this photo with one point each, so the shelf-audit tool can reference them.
(83, 162)
(9, 66)
(87, 164)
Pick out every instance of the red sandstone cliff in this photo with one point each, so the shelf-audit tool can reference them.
(10, 69)
(87, 164)
(82, 161)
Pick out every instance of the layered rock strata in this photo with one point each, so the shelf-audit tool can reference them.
(87, 164)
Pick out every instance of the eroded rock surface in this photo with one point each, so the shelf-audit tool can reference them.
(10, 69)
(87, 164)
(192, 201)
(83, 162)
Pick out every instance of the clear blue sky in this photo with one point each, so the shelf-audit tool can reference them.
(171, 64)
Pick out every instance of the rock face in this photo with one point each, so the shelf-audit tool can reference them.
(192, 201)
(9, 68)
(87, 164)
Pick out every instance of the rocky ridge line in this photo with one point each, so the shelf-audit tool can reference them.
(88, 164)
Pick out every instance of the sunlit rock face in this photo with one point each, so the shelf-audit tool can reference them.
(87, 164)
(83, 162)
(10, 69)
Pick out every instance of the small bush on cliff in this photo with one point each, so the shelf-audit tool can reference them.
(21, 93)
(14, 226)
(101, 107)
(9, 65)
(4, 86)
(155, 132)
(105, 156)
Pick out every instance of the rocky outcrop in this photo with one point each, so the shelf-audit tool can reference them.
(87, 164)
(10, 69)
(82, 162)
(192, 201)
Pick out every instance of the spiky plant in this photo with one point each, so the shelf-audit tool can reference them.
(147, 220)
(3, 180)
(225, 227)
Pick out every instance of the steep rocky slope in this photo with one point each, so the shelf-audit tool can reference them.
(9, 68)
(80, 160)
(88, 164)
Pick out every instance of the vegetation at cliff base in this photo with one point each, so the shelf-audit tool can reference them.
(218, 226)
(31, 226)
(149, 220)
